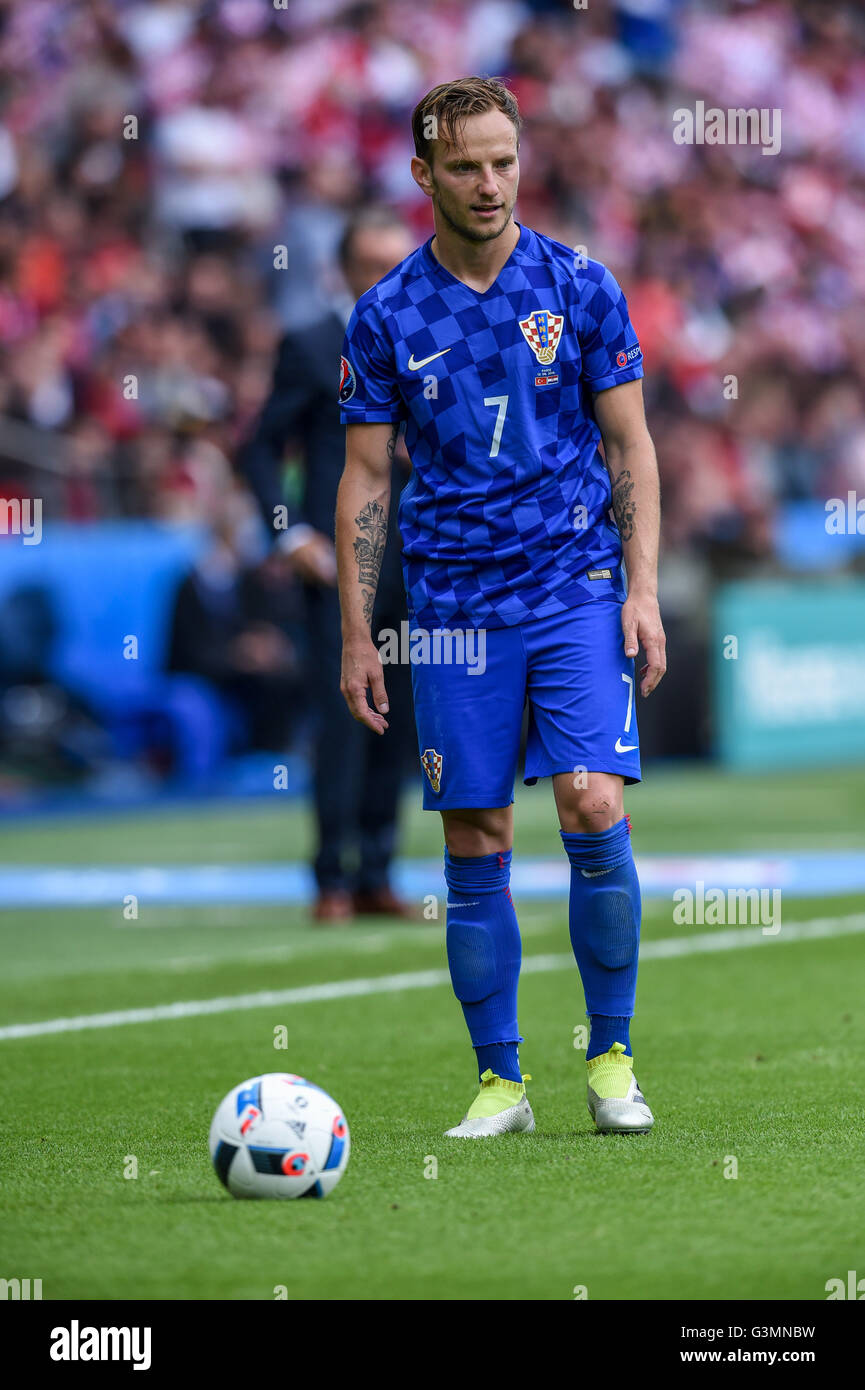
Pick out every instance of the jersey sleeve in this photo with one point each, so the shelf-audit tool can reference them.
(610, 349)
(368, 387)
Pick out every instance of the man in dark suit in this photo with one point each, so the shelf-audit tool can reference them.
(357, 776)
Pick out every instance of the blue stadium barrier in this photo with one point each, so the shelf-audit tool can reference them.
(112, 586)
(803, 542)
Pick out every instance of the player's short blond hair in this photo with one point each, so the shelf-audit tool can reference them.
(447, 107)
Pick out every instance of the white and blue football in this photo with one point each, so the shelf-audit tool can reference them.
(278, 1135)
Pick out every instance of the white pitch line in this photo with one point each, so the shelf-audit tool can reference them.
(665, 949)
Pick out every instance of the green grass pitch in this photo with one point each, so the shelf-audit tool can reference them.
(746, 1055)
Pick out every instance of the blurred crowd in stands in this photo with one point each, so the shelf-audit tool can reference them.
(153, 155)
(175, 177)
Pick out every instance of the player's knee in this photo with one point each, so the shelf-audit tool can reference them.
(473, 834)
(589, 810)
(472, 961)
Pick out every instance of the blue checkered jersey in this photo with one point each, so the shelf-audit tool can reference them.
(507, 515)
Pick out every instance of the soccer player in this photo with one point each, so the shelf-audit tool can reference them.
(509, 359)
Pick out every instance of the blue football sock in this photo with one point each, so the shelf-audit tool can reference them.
(502, 1058)
(605, 930)
(607, 1029)
(484, 955)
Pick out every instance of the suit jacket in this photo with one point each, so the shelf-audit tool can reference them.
(303, 405)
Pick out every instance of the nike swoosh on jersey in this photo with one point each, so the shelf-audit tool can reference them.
(596, 873)
(416, 366)
(624, 747)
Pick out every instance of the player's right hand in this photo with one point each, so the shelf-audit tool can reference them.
(362, 672)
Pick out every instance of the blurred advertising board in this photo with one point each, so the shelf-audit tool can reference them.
(789, 673)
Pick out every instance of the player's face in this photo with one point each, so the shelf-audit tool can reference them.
(474, 187)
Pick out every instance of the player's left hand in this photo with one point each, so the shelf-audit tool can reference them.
(642, 626)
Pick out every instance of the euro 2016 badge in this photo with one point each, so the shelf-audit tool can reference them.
(431, 761)
(542, 331)
(347, 380)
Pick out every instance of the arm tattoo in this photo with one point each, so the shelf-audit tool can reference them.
(624, 504)
(369, 545)
(369, 551)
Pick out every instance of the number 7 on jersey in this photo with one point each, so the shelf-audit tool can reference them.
(502, 403)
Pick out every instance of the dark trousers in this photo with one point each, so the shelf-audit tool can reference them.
(357, 774)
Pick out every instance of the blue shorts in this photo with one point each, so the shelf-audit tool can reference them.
(470, 691)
